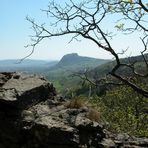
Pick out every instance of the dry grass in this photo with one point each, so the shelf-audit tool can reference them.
(76, 103)
(93, 115)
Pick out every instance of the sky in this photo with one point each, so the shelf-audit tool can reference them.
(15, 31)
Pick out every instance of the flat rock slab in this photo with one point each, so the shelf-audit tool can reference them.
(22, 91)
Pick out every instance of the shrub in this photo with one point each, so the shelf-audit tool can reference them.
(124, 110)
(76, 102)
(93, 115)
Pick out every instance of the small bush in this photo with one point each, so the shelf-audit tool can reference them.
(93, 115)
(76, 103)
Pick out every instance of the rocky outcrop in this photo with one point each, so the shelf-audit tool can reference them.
(19, 92)
(4, 77)
(59, 126)
(22, 91)
(32, 117)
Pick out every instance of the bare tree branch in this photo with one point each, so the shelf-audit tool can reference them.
(84, 20)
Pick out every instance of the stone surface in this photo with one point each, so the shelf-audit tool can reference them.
(107, 143)
(4, 77)
(61, 126)
(21, 91)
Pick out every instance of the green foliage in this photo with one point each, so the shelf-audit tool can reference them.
(130, 1)
(57, 85)
(103, 69)
(125, 111)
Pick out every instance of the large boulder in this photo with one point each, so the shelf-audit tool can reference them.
(21, 91)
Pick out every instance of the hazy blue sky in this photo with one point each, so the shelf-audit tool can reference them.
(15, 31)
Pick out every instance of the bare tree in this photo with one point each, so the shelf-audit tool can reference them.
(85, 20)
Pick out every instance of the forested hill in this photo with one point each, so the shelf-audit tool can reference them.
(75, 61)
(60, 73)
(103, 69)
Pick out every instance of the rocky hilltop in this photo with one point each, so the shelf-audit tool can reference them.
(74, 59)
(32, 116)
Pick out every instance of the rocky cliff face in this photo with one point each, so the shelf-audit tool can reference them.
(31, 116)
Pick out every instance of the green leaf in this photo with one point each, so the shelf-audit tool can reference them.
(130, 1)
(119, 26)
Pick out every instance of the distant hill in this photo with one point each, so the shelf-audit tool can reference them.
(103, 69)
(73, 62)
(60, 73)
(28, 65)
